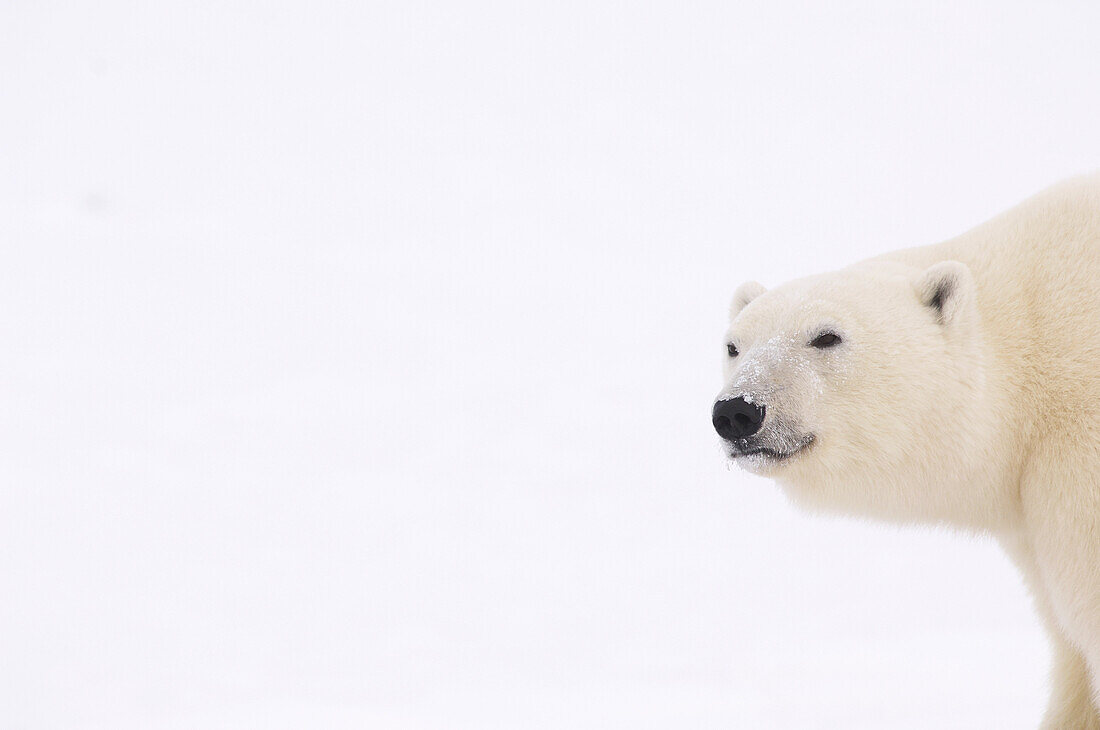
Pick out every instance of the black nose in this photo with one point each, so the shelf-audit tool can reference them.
(736, 418)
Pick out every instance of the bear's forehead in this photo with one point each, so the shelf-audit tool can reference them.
(789, 309)
(838, 299)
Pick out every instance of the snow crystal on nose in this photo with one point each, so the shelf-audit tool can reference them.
(753, 375)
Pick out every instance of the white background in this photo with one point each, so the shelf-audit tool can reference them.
(357, 359)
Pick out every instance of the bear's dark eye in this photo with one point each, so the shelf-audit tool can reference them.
(826, 339)
(731, 349)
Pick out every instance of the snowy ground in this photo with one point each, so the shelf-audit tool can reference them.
(358, 358)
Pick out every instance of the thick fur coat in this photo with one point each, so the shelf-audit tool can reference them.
(955, 383)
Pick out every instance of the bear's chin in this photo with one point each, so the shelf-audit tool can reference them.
(760, 464)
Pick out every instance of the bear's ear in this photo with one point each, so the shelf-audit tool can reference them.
(948, 288)
(745, 293)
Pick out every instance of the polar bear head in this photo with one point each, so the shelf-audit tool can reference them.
(856, 390)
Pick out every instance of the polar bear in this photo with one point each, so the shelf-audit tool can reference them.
(956, 383)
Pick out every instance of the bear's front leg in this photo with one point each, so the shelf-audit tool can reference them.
(1059, 553)
(1070, 706)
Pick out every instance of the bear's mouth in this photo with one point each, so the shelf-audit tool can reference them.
(769, 453)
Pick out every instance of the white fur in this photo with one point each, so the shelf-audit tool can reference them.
(965, 390)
